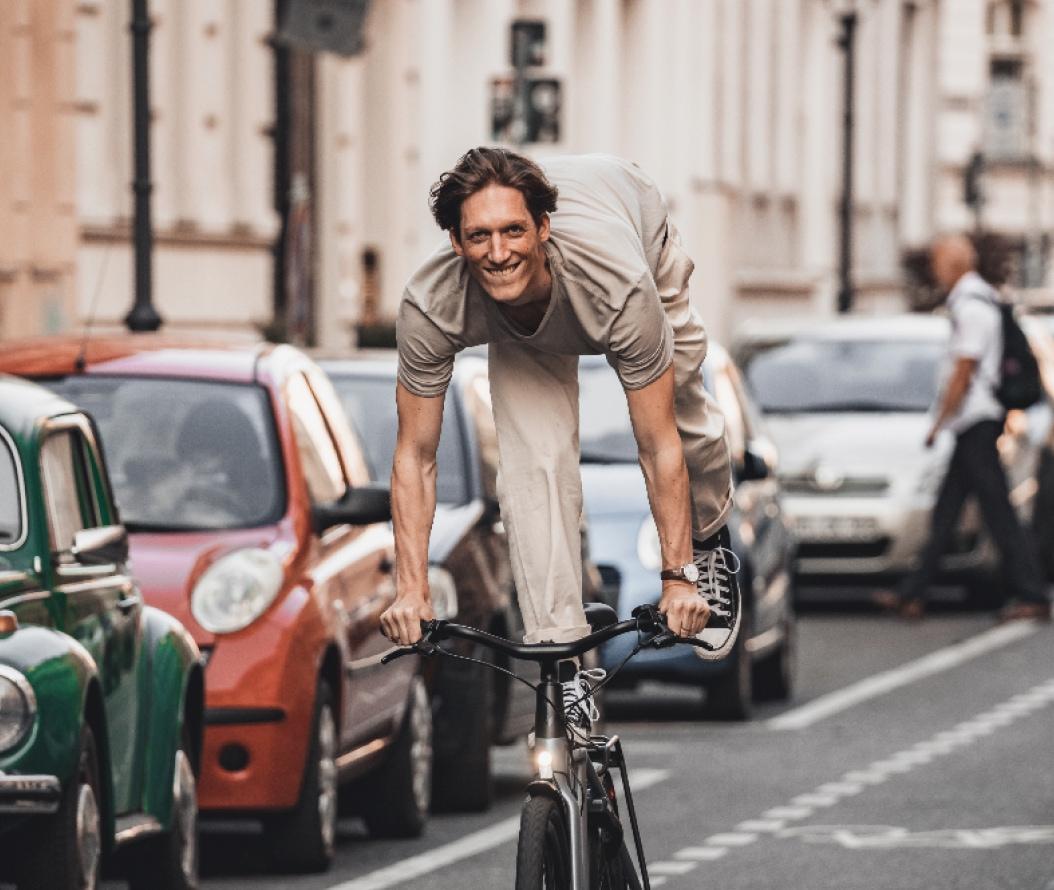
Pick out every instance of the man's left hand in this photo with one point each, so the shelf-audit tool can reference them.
(686, 612)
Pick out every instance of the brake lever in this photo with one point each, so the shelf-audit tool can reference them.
(423, 646)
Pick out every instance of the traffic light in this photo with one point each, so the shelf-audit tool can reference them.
(973, 194)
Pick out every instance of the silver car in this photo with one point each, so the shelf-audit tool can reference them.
(848, 402)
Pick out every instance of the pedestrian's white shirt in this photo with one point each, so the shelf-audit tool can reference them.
(977, 333)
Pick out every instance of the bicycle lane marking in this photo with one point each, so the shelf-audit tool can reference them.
(773, 822)
(470, 845)
(879, 684)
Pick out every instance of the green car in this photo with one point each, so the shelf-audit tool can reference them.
(100, 696)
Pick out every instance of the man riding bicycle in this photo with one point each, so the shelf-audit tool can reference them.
(603, 273)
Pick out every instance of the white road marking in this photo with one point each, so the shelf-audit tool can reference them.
(880, 684)
(470, 845)
(731, 839)
(884, 837)
(701, 854)
(761, 825)
(670, 868)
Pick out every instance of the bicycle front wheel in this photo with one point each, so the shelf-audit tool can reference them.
(543, 857)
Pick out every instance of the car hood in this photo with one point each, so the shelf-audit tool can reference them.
(615, 489)
(452, 522)
(871, 445)
(166, 565)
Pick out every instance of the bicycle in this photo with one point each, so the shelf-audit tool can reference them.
(571, 834)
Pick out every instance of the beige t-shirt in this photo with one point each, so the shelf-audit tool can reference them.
(607, 236)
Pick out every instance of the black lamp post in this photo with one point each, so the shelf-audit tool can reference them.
(847, 19)
(143, 316)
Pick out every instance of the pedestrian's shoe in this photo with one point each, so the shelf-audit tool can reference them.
(718, 584)
(580, 709)
(910, 608)
(1025, 610)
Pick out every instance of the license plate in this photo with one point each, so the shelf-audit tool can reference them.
(836, 528)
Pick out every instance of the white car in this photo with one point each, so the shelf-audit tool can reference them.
(848, 402)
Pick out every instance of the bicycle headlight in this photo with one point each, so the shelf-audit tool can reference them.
(236, 590)
(648, 551)
(18, 708)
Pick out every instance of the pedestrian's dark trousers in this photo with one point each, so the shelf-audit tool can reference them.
(975, 469)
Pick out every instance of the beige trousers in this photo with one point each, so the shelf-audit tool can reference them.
(535, 398)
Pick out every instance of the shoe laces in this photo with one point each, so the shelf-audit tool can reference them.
(716, 568)
(579, 692)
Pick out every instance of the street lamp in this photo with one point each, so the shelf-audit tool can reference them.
(143, 316)
(846, 15)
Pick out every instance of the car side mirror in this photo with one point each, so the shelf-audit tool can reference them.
(101, 546)
(756, 464)
(360, 505)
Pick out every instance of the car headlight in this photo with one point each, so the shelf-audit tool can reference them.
(18, 708)
(444, 593)
(648, 550)
(235, 590)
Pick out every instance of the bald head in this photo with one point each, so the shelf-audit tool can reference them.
(951, 257)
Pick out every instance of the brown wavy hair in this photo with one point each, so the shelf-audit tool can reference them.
(480, 167)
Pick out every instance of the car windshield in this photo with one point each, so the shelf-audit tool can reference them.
(10, 502)
(185, 455)
(370, 404)
(605, 432)
(810, 376)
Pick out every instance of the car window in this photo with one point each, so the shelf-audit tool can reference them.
(185, 454)
(370, 403)
(66, 489)
(806, 375)
(321, 464)
(10, 496)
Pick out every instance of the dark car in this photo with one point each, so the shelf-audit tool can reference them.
(625, 544)
(101, 696)
(469, 573)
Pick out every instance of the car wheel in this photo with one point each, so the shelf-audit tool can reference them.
(302, 839)
(169, 861)
(730, 695)
(397, 795)
(461, 779)
(774, 674)
(65, 852)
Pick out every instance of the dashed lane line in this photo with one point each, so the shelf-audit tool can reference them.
(851, 783)
(470, 845)
(879, 684)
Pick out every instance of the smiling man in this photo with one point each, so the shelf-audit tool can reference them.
(547, 263)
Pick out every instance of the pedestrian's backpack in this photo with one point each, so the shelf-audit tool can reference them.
(1019, 384)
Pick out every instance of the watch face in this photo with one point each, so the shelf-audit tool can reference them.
(691, 572)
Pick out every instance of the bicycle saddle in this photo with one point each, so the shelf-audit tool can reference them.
(600, 615)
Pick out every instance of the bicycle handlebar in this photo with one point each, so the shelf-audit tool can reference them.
(646, 619)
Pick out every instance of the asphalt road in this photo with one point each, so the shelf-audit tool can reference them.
(913, 756)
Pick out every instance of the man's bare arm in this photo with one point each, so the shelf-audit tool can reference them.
(666, 476)
(413, 510)
(954, 393)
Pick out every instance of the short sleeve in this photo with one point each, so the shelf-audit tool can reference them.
(975, 330)
(426, 354)
(641, 341)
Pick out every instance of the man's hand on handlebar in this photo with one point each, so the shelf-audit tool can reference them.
(686, 611)
(401, 621)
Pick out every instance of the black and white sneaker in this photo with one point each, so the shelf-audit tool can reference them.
(580, 710)
(719, 585)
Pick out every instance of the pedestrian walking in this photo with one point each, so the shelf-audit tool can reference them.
(968, 407)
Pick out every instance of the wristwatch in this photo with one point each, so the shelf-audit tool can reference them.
(688, 572)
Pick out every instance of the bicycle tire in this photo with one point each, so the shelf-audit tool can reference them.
(543, 854)
(609, 861)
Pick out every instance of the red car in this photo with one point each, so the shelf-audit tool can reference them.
(252, 519)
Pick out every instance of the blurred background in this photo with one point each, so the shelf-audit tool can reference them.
(808, 148)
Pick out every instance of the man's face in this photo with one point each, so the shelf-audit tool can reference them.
(502, 244)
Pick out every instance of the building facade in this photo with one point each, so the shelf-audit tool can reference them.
(736, 107)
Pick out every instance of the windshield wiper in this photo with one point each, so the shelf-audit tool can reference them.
(600, 457)
(848, 407)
